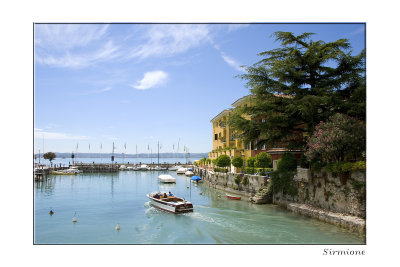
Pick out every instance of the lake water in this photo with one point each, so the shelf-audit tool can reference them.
(101, 201)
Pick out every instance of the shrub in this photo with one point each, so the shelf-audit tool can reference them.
(303, 161)
(340, 138)
(343, 167)
(263, 160)
(237, 179)
(288, 162)
(250, 162)
(245, 180)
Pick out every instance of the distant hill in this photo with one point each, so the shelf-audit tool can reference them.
(121, 155)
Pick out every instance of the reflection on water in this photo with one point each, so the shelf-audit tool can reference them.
(101, 201)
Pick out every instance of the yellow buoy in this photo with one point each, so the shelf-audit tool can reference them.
(117, 227)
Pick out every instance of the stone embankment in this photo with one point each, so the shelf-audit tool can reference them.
(339, 200)
(347, 221)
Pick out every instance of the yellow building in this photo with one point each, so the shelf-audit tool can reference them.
(226, 140)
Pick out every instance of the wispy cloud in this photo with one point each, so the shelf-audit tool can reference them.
(151, 79)
(357, 31)
(232, 62)
(67, 36)
(229, 60)
(169, 40)
(106, 52)
(40, 133)
(235, 27)
(98, 91)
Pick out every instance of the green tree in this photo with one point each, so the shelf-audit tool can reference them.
(250, 162)
(263, 160)
(50, 156)
(237, 161)
(223, 161)
(297, 85)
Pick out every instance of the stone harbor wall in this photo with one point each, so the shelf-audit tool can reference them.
(241, 184)
(341, 193)
(339, 199)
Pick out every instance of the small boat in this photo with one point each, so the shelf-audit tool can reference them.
(181, 170)
(233, 197)
(196, 179)
(166, 178)
(122, 168)
(129, 168)
(73, 170)
(174, 168)
(143, 167)
(189, 173)
(171, 204)
(62, 173)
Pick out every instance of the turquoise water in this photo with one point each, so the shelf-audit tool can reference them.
(101, 201)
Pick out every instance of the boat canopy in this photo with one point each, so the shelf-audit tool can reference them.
(195, 178)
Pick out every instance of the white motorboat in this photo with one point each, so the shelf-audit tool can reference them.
(122, 168)
(129, 168)
(189, 173)
(171, 204)
(73, 170)
(174, 168)
(181, 170)
(166, 178)
(143, 167)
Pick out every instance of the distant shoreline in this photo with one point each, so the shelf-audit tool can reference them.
(121, 155)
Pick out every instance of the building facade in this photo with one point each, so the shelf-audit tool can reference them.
(227, 141)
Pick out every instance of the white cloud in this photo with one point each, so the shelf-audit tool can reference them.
(232, 62)
(235, 27)
(67, 36)
(39, 134)
(78, 60)
(168, 40)
(151, 79)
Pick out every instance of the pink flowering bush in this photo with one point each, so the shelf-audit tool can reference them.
(341, 138)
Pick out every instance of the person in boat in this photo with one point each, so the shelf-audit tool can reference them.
(157, 196)
(170, 194)
(165, 195)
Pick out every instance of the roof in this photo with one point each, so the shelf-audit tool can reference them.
(242, 100)
(221, 114)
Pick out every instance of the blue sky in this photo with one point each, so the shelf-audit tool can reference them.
(137, 84)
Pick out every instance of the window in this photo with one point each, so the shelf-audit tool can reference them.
(264, 147)
(215, 136)
(246, 146)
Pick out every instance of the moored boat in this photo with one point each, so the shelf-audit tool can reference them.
(181, 170)
(166, 178)
(174, 168)
(171, 204)
(143, 167)
(189, 173)
(60, 173)
(233, 197)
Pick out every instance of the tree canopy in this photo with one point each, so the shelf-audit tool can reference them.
(49, 155)
(296, 86)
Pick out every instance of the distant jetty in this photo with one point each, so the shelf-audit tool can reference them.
(122, 155)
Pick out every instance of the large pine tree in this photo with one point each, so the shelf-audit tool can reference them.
(299, 84)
